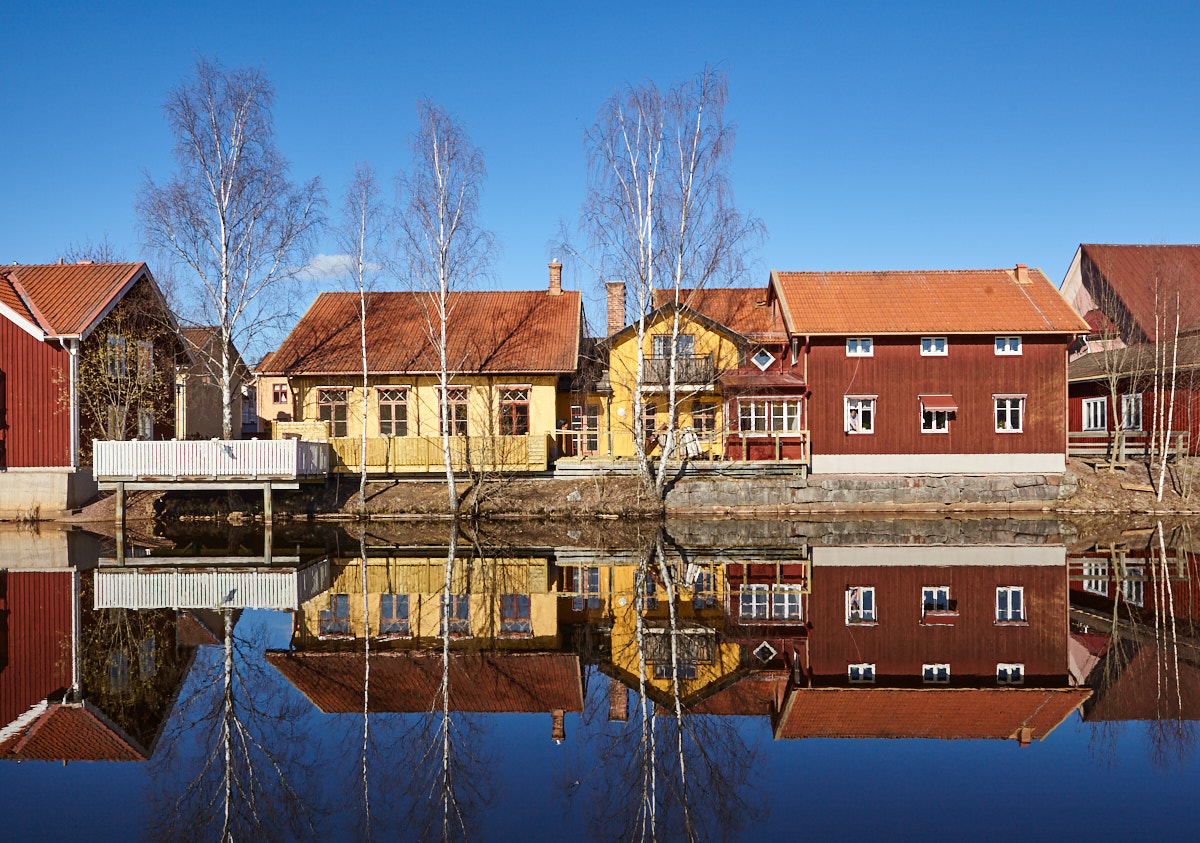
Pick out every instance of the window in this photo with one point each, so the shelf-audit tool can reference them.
(778, 603)
(250, 408)
(585, 418)
(785, 603)
(1095, 578)
(147, 663)
(1133, 587)
(1095, 415)
(393, 614)
(1010, 674)
(336, 619)
(775, 416)
(1009, 412)
(514, 412)
(860, 604)
(859, 347)
(333, 406)
(935, 673)
(1131, 412)
(650, 421)
(1008, 345)
(685, 345)
(704, 416)
(935, 421)
(703, 594)
(456, 404)
(649, 596)
(118, 672)
(393, 411)
(762, 359)
(456, 614)
(1010, 604)
(117, 414)
(585, 582)
(755, 602)
(115, 357)
(514, 614)
(860, 414)
(933, 346)
(145, 420)
(145, 360)
(861, 674)
(279, 393)
(936, 598)
(692, 648)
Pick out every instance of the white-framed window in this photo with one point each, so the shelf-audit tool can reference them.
(938, 674)
(770, 602)
(861, 674)
(1131, 411)
(1008, 345)
(1010, 603)
(785, 603)
(859, 347)
(1010, 413)
(393, 410)
(773, 416)
(1095, 414)
(1133, 587)
(860, 414)
(685, 345)
(935, 598)
(755, 603)
(935, 421)
(933, 347)
(763, 359)
(1010, 674)
(1095, 578)
(860, 604)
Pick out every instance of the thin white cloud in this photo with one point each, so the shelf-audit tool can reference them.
(331, 268)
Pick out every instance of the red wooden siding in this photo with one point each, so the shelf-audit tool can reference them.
(1186, 415)
(971, 372)
(34, 425)
(35, 631)
(898, 645)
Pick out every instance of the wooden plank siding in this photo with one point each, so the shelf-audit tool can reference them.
(971, 372)
(35, 641)
(1186, 416)
(34, 421)
(899, 644)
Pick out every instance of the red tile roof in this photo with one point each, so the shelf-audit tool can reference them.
(1151, 686)
(70, 732)
(67, 299)
(742, 310)
(410, 680)
(490, 332)
(977, 301)
(943, 713)
(1134, 271)
(752, 696)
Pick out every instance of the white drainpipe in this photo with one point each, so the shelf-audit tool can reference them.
(73, 351)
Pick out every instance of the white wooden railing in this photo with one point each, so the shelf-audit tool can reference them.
(182, 588)
(250, 459)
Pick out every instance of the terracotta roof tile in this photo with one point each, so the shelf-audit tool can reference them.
(409, 680)
(1148, 688)
(71, 732)
(739, 309)
(1135, 359)
(69, 296)
(1132, 273)
(943, 713)
(977, 301)
(496, 332)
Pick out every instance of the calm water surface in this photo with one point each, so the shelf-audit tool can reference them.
(973, 679)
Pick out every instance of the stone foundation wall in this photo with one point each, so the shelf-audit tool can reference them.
(45, 492)
(866, 493)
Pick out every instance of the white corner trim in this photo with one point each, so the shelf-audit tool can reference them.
(22, 323)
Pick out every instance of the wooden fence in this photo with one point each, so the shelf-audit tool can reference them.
(250, 459)
(183, 588)
(418, 454)
(1119, 445)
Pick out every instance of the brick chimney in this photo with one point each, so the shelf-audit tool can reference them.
(616, 306)
(555, 278)
(558, 729)
(618, 702)
(1022, 274)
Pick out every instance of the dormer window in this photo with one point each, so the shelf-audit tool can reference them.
(859, 347)
(762, 359)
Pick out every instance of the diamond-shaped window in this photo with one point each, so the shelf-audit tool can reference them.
(764, 652)
(762, 359)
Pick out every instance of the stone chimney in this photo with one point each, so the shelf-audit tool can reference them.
(618, 702)
(616, 306)
(555, 278)
(558, 729)
(1022, 274)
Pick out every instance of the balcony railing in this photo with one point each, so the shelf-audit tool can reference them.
(689, 369)
(234, 459)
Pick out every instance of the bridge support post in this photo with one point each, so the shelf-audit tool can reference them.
(120, 523)
(268, 516)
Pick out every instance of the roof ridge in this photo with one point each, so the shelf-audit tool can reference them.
(894, 271)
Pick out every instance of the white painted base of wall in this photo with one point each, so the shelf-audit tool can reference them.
(933, 464)
(49, 490)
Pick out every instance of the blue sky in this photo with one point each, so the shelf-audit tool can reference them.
(870, 136)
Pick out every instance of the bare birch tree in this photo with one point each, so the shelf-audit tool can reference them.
(229, 219)
(443, 250)
(361, 237)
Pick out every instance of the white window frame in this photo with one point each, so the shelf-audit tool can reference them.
(929, 347)
(778, 603)
(1095, 578)
(1006, 614)
(769, 416)
(787, 603)
(860, 347)
(379, 404)
(1010, 673)
(758, 598)
(935, 421)
(1008, 346)
(862, 673)
(858, 403)
(865, 618)
(1134, 591)
(935, 589)
(1008, 408)
(1128, 403)
(1093, 408)
(934, 670)
(762, 367)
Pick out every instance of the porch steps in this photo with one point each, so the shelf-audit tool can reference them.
(566, 468)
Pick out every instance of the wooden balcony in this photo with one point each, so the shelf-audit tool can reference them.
(690, 369)
(203, 585)
(213, 462)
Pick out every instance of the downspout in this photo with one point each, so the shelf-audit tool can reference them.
(75, 636)
(73, 353)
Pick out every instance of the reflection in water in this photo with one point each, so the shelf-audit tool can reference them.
(403, 658)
